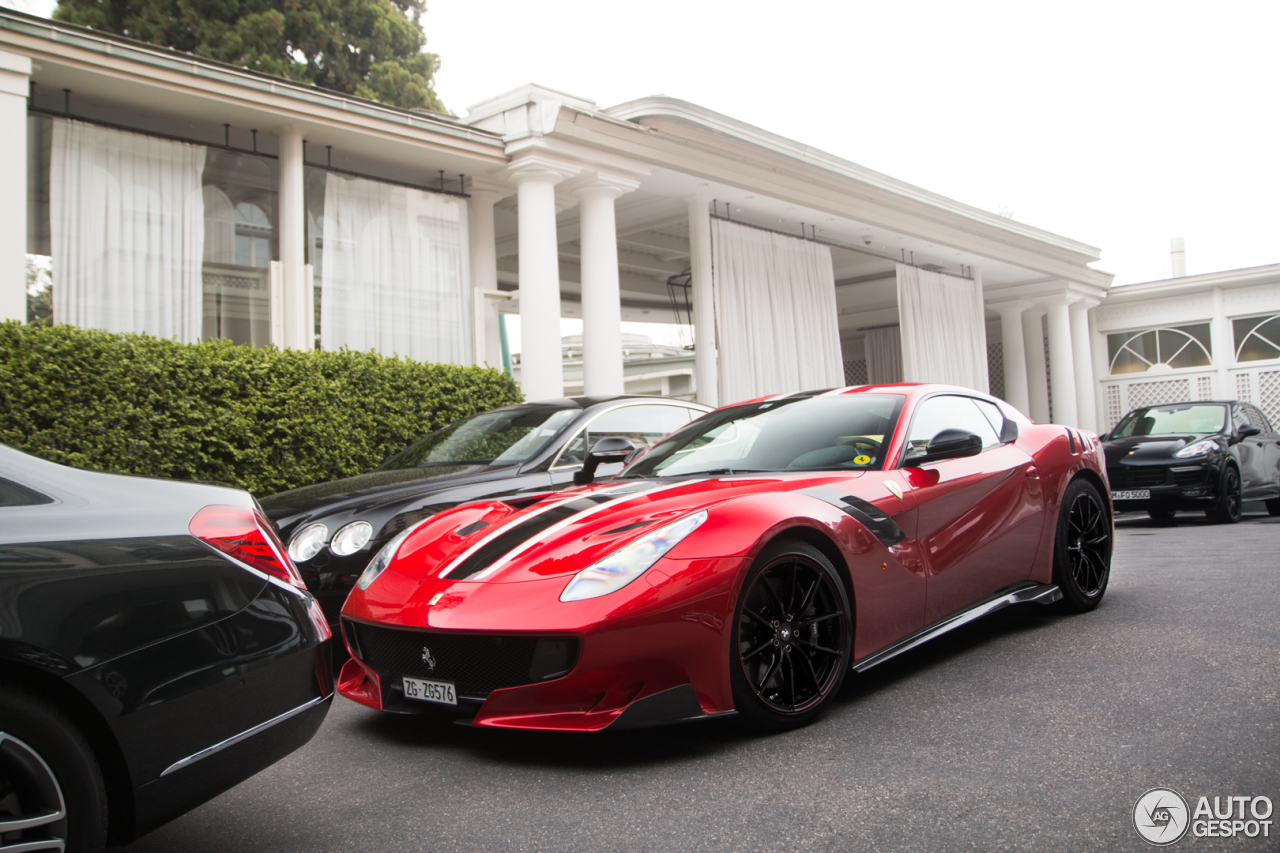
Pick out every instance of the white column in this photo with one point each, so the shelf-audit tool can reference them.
(601, 297)
(1086, 407)
(484, 269)
(1016, 392)
(15, 75)
(541, 369)
(1224, 349)
(299, 328)
(1062, 368)
(704, 316)
(1037, 380)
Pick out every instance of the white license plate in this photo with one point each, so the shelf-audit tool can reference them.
(440, 692)
(1131, 495)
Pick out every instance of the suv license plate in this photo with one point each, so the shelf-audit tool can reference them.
(1132, 495)
(440, 692)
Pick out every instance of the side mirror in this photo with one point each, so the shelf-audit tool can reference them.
(948, 444)
(1247, 430)
(606, 450)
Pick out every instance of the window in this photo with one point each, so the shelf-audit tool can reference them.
(949, 412)
(1257, 338)
(16, 494)
(1172, 348)
(992, 412)
(644, 426)
(1172, 420)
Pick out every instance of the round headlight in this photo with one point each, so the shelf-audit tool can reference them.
(351, 538)
(308, 542)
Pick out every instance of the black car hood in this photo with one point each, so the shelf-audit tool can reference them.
(1147, 448)
(374, 488)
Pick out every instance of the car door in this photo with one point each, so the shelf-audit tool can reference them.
(644, 424)
(979, 518)
(1268, 444)
(1249, 453)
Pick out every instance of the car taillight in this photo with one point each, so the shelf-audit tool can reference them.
(246, 535)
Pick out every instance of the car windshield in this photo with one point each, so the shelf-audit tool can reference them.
(842, 433)
(502, 437)
(1172, 420)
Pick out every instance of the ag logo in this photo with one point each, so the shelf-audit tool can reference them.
(1161, 816)
(428, 659)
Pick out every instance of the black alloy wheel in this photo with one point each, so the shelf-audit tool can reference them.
(1230, 499)
(52, 797)
(1082, 547)
(792, 643)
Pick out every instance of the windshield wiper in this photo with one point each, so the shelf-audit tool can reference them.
(729, 471)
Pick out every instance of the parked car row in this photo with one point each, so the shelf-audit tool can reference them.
(161, 641)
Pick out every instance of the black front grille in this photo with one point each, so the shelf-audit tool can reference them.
(475, 663)
(1192, 477)
(1136, 478)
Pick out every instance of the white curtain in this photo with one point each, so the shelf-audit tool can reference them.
(776, 317)
(944, 332)
(883, 347)
(127, 223)
(395, 276)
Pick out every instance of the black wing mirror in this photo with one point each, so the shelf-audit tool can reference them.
(948, 444)
(1247, 430)
(606, 450)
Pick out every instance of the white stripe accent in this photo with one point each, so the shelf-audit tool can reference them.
(557, 527)
(503, 528)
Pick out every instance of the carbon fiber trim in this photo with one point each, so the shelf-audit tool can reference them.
(866, 513)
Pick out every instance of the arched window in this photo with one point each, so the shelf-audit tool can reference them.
(1159, 350)
(253, 236)
(1257, 338)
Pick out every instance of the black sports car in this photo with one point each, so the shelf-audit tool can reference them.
(1210, 456)
(334, 529)
(156, 648)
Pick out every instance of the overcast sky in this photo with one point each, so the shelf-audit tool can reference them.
(1119, 124)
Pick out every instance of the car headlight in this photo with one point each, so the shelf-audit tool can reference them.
(384, 557)
(351, 538)
(1199, 448)
(309, 542)
(630, 561)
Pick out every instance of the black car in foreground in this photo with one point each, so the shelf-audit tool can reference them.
(156, 648)
(334, 529)
(1209, 456)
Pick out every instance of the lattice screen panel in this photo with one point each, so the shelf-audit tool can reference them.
(855, 372)
(1115, 410)
(1158, 393)
(995, 369)
(1204, 387)
(1269, 395)
(1242, 387)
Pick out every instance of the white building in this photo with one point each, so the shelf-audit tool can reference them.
(187, 198)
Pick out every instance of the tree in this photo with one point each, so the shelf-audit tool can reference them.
(367, 48)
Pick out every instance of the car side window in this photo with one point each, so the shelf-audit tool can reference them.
(1238, 418)
(643, 425)
(994, 416)
(949, 412)
(1257, 418)
(16, 494)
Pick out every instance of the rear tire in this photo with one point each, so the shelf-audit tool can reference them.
(1230, 499)
(1082, 547)
(46, 766)
(792, 638)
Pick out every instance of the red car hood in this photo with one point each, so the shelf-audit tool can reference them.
(498, 542)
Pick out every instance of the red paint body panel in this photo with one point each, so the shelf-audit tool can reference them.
(972, 526)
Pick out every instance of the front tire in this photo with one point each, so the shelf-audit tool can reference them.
(792, 637)
(1230, 499)
(49, 776)
(1082, 547)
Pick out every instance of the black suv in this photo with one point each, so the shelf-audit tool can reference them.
(1210, 456)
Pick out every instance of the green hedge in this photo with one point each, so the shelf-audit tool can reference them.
(264, 419)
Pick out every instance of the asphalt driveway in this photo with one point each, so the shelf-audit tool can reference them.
(1030, 730)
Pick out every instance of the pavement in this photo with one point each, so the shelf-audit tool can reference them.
(1029, 730)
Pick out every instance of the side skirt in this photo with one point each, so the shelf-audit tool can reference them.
(1023, 593)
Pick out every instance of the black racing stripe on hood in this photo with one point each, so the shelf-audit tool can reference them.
(866, 513)
(522, 532)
